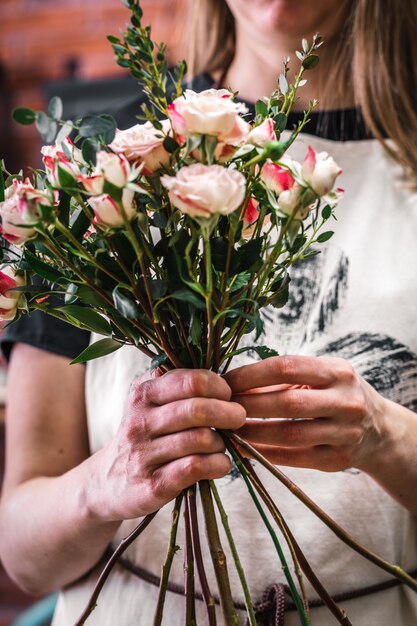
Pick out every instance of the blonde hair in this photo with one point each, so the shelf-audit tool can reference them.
(379, 40)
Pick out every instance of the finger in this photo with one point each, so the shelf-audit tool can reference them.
(305, 403)
(192, 413)
(180, 384)
(173, 477)
(297, 433)
(186, 443)
(301, 370)
(325, 458)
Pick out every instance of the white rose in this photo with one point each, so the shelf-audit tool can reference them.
(107, 212)
(262, 134)
(320, 171)
(143, 143)
(20, 209)
(210, 112)
(113, 167)
(9, 300)
(205, 190)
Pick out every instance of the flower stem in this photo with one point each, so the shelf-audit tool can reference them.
(166, 568)
(296, 597)
(123, 545)
(218, 556)
(205, 589)
(238, 564)
(190, 618)
(392, 569)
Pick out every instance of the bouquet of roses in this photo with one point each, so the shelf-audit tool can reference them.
(172, 236)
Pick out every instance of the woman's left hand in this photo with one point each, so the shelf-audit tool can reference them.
(320, 413)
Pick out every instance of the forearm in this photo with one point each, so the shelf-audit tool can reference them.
(49, 536)
(393, 462)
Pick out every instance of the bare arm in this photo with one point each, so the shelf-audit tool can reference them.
(61, 507)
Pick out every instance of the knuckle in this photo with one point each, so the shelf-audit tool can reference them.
(355, 436)
(284, 363)
(294, 403)
(141, 391)
(203, 439)
(197, 383)
(344, 457)
(193, 466)
(292, 434)
(195, 411)
(347, 373)
(358, 409)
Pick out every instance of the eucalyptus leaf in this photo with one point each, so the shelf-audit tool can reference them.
(96, 350)
(55, 108)
(24, 116)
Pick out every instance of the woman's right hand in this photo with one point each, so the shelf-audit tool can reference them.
(164, 444)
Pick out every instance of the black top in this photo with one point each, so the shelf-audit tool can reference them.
(48, 333)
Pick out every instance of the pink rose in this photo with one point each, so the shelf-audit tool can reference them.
(143, 143)
(20, 210)
(276, 178)
(320, 171)
(55, 159)
(114, 168)
(9, 300)
(210, 112)
(262, 134)
(107, 212)
(206, 190)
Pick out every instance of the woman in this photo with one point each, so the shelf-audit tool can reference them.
(85, 454)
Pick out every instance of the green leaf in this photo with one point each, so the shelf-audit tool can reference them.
(64, 208)
(79, 224)
(325, 236)
(158, 288)
(42, 269)
(23, 115)
(88, 318)
(93, 125)
(89, 150)
(170, 144)
(113, 39)
(246, 256)
(219, 246)
(157, 361)
(261, 108)
(96, 350)
(327, 211)
(124, 304)
(262, 351)
(280, 122)
(310, 62)
(186, 295)
(55, 108)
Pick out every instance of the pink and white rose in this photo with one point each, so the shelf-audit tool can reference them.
(320, 171)
(276, 178)
(262, 134)
(206, 190)
(210, 112)
(143, 143)
(55, 159)
(107, 213)
(114, 168)
(250, 217)
(9, 300)
(20, 209)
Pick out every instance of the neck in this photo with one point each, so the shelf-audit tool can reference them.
(255, 70)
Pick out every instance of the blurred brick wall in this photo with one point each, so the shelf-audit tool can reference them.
(43, 40)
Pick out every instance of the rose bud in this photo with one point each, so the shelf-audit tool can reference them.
(290, 201)
(56, 161)
(262, 134)
(250, 217)
(20, 210)
(206, 190)
(92, 184)
(320, 171)
(143, 143)
(9, 300)
(108, 213)
(276, 178)
(114, 167)
(210, 112)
